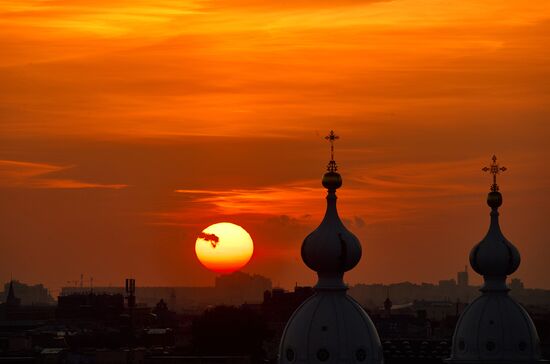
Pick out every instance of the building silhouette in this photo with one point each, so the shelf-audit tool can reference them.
(229, 289)
(11, 300)
(27, 294)
(13, 309)
(462, 279)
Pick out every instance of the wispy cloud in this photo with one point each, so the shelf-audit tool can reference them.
(404, 188)
(283, 4)
(274, 200)
(42, 175)
(105, 19)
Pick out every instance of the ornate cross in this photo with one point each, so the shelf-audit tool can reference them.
(494, 169)
(331, 138)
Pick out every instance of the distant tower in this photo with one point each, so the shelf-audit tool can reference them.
(494, 328)
(462, 278)
(131, 292)
(11, 300)
(330, 326)
(388, 304)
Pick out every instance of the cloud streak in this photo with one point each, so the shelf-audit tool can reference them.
(283, 4)
(19, 174)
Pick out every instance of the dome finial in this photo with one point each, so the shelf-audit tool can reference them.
(494, 199)
(332, 167)
(494, 169)
(332, 179)
(331, 249)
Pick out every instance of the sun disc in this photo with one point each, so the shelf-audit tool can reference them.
(224, 247)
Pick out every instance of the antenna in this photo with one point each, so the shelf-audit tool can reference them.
(130, 292)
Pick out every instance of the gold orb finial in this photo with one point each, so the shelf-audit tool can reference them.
(332, 179)
(494, 199)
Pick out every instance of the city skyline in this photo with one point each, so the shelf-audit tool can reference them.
(128, 129)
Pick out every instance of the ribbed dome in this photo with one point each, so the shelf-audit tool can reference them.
(330, 328)
(494, 328)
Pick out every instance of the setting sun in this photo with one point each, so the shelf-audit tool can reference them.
(224, 247)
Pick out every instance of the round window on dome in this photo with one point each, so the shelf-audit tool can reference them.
(323, 354)
(361, 354)
(490, 346)
(290, 354)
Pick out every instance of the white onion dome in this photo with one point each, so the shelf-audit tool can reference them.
(495, 257)
(330, 327)
(331, 249)
(494, 328)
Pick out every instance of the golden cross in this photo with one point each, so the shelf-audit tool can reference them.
(494, 169)
(332, 164)
(331, 138)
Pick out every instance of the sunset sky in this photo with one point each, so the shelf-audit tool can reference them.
(127, 127)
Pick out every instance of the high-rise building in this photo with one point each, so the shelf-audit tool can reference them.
(330, 326)
(462, 278)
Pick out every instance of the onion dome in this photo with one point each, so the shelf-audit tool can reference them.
(331, 249)
(494, 328)
(495, 257)
(330, 327)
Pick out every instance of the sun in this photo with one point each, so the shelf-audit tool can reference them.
(224, 247)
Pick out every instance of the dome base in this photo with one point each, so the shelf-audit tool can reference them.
(330, 328)
(495, 329)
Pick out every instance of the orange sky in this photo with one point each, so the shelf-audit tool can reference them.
(128, 127)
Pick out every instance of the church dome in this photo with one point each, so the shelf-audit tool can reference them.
(331, 249)
(495, 328)
(330, 327)
(495, 255)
